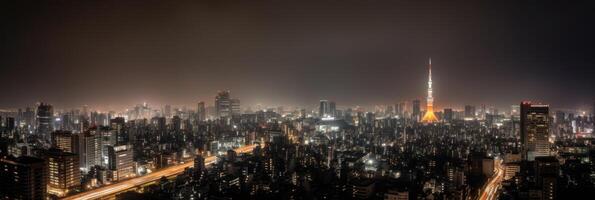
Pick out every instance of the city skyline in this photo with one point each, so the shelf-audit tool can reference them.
(427, 117)
(290, 54)
(311, 99)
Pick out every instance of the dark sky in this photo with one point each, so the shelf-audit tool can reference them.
(115, 54)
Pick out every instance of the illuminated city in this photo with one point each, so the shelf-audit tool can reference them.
(389, 100)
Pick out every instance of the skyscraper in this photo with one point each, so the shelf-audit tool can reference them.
(469, 112)
(44, 115)
(201, 112)
(546, 170)
(167, 111)
(63, 172)
(416, 111)
(235, 107)
(223, 104)
(65, 141)
(121, 164)
(534, 130)
(323, 109)
(332, 109)
(90, 150)
(448, 114)
(400, 108)
(429, 117)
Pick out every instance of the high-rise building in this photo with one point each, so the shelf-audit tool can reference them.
(235, 107)
(448, 114)
(176, 123)
(416, 109)
(469, 112)
(10, 124)
(223, 104)
(167, 111)
(121, 164)
(323, 109)
(63, 172)
(430, 117)
(201, 112)
(23, 178)
(332, 109)
(199, 168)
(400, 108)
(546, 170)
(65, 141)
(44, 116)
(534, 130)
(90, 149)
(560, 117)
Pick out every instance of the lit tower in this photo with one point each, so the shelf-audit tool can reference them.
(429, 117)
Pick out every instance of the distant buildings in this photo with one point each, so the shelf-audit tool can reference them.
(201, 112)
(416, 110)
(225, 106)
(327, 109)
(469, 112)
(44, 118)
(448, 115)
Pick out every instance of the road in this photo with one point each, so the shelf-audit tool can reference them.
(490, 191)
(134, 182)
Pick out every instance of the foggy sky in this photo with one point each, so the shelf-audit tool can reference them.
(114, 54)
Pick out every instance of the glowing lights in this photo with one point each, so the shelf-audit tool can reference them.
(328, 118)
(430, 117)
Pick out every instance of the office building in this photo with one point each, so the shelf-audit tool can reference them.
(90, 150)
(534, 130)
(23, 178)
(448, 115)
(547, 169)
(332, 109)
(201, 112)
(324, 108)
(44, 120)
(63, 172)
(469, 112)
(65, 141)
(416, 109)
(235, 107)
(223, 104)
(121, 164)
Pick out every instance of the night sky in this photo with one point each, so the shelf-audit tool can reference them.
(114, 54)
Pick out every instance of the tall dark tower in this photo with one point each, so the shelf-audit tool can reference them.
(324, 108)
(44, 125)
(534, 130)
(416, 111)
(201, 112)
(223, 104)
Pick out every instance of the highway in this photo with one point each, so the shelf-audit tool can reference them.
(122, 186)
(490, 191)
